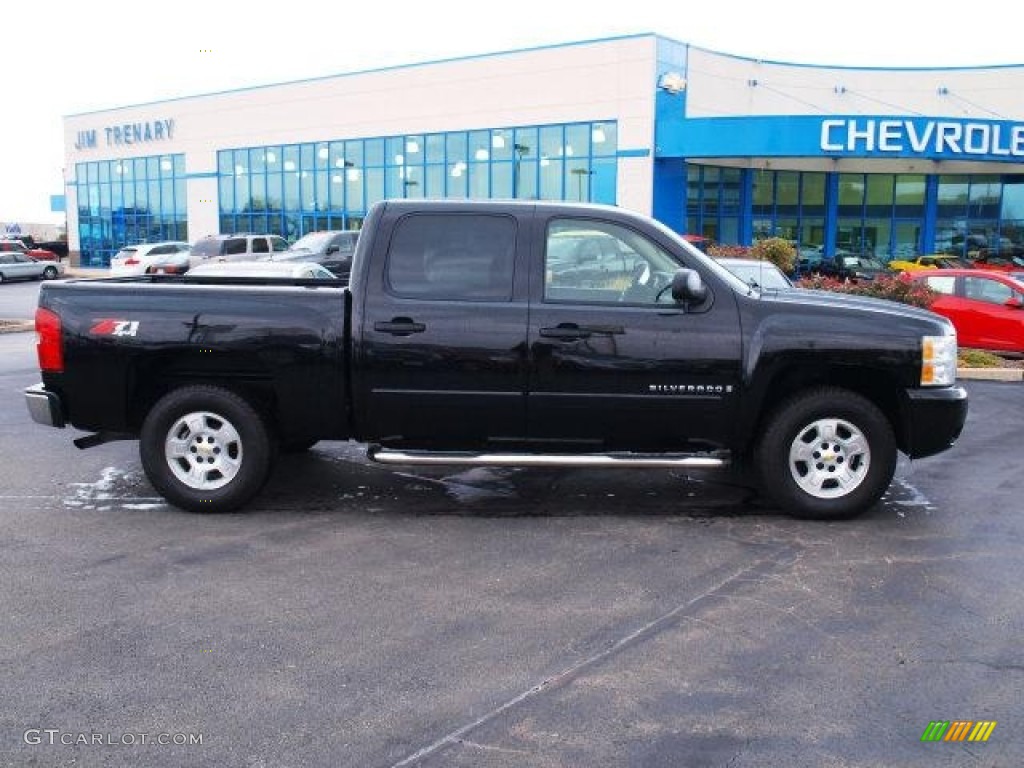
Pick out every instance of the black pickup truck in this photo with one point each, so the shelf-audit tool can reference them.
(502, 333)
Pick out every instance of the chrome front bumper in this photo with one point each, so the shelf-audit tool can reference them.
(44, 407)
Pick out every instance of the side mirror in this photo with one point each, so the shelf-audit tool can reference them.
(687, 287)
(1014, 303)
(332, 249)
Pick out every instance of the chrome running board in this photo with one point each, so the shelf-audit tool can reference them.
(584, 460)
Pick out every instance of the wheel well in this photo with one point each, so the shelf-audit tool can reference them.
(875, 385)
(257, 393)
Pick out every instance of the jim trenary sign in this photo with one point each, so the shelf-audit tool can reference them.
(929, 138)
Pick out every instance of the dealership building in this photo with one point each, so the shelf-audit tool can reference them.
(887, 161)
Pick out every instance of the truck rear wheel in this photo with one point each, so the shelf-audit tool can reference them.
(826, 454)
(205, 449)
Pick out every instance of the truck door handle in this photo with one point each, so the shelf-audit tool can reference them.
(400, 326)
(565, 332)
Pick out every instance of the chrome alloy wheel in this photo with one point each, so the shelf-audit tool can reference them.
(203, 450)
(829, 458)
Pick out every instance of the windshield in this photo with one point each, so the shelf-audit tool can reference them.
(759, 274)
(314, 241)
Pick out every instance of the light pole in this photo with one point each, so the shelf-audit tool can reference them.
(521, 150)
(580, 174)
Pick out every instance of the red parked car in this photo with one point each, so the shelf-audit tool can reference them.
(36, 254)
(986, 307)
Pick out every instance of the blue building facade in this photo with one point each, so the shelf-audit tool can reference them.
(886, 162)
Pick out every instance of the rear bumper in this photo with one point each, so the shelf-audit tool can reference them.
(44, 406)
(935, 419)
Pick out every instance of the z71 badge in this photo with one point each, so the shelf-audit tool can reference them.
(109, 327)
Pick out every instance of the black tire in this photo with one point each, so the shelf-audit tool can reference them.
(224, 451)
(297, 446)
(50, 273)
(826, 454)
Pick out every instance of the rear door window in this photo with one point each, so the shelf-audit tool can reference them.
(455, 256)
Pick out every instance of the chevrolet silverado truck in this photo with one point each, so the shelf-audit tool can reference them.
(502, 333)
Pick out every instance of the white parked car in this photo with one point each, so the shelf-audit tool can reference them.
(134, 259)
(18, 266)
(304, 270)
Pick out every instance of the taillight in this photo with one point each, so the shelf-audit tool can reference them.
(131, 262)
(49, 346)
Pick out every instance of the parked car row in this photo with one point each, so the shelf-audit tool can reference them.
(330, 249)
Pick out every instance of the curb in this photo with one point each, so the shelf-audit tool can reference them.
(16, 326)
(991, 374)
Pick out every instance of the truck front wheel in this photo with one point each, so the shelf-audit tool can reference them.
(205, 449)
(826, 454)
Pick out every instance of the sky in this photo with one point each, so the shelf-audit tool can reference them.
(62, 59)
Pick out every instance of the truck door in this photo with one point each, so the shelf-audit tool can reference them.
(442, 358)
(615, 363)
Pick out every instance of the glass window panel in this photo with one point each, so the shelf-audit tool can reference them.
(577, 141)
(354, 200)
(307, 190)
(373, 150)
(290, 162)
(152, 167)
(604, 139)
(457, 148)
(322, 182)
(910, 189)
(876, 238)
(153, 196)
(501, 180)
(479, 181)
(241, 200)
(812, 191)
(275, 191)
(336, 192)
(603, 182)
(307, 157)
(577, 180)
(257, 161)
(502, 144)
(851, 190)
(226, 199)
(225, 163)
(1013, 199)
(526, 146)
(457, 179)
(434, 150)
(374, 186)
(394, 153)
(412, 185)
(730, 230)
(525, 181)
(291, 191)
(551, 144)
(732, 179)
(479, 146)
(879, 189)
(787, 188)
(764, 191)
(551, 179)
(434, 181)
(693, 188)
(139, 167)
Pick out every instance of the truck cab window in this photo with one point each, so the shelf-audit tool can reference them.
(456, 257)
(598, 262)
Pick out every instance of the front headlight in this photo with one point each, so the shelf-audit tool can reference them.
(938, 361)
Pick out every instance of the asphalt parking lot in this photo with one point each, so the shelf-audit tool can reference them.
(358, 615)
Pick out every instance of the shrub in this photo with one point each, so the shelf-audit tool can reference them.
(976, 358)
(780, 252)
(894, 288)
(729, 251)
